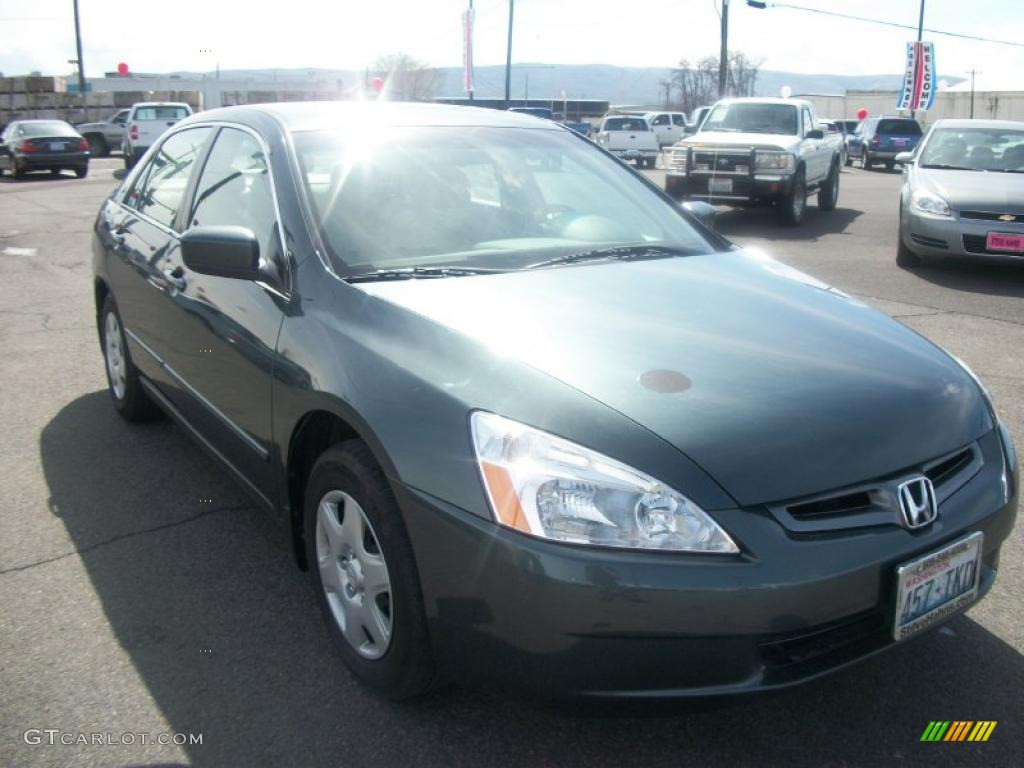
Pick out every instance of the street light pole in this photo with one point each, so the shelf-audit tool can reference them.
(723, 56)
(508, 56)
(81, 62)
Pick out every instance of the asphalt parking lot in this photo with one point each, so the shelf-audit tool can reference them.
(132, 605)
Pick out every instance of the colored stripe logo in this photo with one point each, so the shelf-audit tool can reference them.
(959, 730)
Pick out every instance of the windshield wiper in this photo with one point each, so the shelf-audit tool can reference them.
(616, 252)
(944, 167)
(413, 273)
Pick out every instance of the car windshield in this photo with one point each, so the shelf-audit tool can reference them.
(753, 118)
(49, 128)
(161, 113)
(481, 198)
(625, 124)
(975, 149)
(898, 127)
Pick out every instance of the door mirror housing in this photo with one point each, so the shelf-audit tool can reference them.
(222, 251)
(703, 212)
(815, 133)
(905, 158)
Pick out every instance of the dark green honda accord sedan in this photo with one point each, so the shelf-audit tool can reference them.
(527, 421)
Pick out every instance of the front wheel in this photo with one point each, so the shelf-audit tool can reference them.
(130, 399)
(890, 164)
(792, 207)
(865, 161)
(829, 193)
(97, 145)
(364, 573)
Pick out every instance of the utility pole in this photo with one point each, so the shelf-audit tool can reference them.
(973, 73)
(723, 56)
(81, 62)
(469, 43)
(508, 56)
(920, 30)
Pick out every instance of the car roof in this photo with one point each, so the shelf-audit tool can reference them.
(160, 104)
(39, 120)
(298, 116)
(963, 123)
(765, 100)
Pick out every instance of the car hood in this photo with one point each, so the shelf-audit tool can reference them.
(977, 190)
(727, 139)
(777, 385)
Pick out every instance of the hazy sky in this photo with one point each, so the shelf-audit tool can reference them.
(175, 34)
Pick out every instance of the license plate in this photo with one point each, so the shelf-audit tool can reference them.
(900, 142)
(632, 154)
(1009, 243)
(936, 585)
(56, 146)
(720, 186)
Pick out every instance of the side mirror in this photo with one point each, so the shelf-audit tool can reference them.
(815, 133)
(222, 251)
(701, 211)
(905, 158)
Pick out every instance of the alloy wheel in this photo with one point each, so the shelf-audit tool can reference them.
(113, 346)
(354, 574)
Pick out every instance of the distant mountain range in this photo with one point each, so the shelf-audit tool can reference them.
(619, 85)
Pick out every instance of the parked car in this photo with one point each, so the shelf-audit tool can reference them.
(669, 127)
(757, 150)
(527, 421)
(631, 138)
(697, 118)
(43, 145)
(880, 139)
(834, 135)
(849, 126)
(106, 134)
(963, 192)
(147, 121)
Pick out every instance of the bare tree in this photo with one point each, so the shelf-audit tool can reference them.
(695, 85)
(407, 77)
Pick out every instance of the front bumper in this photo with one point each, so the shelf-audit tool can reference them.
(746, 189)
(561, 620)
(937, 236)
(634, 154)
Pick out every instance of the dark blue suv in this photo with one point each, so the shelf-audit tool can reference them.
(880, 139)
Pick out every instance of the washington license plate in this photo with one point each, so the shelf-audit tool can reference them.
(997, 241)
(56, 146)
(936, 585)
(720, 186)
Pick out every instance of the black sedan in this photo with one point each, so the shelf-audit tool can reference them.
(43, 145)
(526, 420)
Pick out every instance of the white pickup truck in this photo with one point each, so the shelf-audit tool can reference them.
(146, 123)
(669, 127)
(757, 150)
(629, 137)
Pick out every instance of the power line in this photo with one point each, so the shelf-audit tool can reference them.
(960, 35)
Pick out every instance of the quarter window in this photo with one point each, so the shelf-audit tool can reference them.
(160, 189)
(234, 189)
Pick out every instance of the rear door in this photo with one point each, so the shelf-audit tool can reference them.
(144, 263)
(661, 124)
(226, 329)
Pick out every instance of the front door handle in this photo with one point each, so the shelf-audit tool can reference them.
(175, 278)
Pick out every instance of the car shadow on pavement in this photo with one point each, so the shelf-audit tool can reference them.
(761, 222)
(35, 177)
(225, 633)
(1003, 276)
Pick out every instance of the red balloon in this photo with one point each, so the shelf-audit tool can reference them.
(377, 83)
(862, 113)
(122, 69)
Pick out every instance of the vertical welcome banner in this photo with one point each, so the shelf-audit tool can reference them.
(467, 50)
(919, 82)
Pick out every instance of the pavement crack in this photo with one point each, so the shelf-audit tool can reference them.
(122, 536)
(937, 310)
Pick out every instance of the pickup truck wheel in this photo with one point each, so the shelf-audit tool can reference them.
(849, 161)
(829, 192)
(865, 161)
(674, 187)
(97, 145)
(792, 207)
(890, 164)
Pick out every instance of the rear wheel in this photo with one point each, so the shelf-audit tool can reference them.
(364, 572)
(82, 171)
(674, 187)
(791, 208)
(865, 160)
(55, 171)
(890, 164)
(829, 192)
(97, 145)
(130, 399)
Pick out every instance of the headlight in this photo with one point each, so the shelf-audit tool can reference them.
(552, 488)
(926, 202)
(773, 161)
(676, 159)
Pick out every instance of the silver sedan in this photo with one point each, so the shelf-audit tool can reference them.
(963, 192)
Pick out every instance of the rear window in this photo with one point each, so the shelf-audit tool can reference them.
(625, 124)
(49, 128)
(899, 127)
(161, 113)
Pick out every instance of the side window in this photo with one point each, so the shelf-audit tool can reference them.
(234, 188)
(160, 188)
(119, 118)
(660, 120)
(678, 119)
(808, 121)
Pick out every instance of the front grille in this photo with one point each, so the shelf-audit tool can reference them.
(876, 503)
(718, 162)
(931, 242)
(990, 216)
(800, 654)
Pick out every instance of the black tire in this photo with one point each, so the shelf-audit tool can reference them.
(406, 668)
(865, 161)
(651, 161)
(19, 172)
(849, 161)
(828, 195)
(82, 171)
(98, 146)
(674, 187)
(792, 208)
(133, 404)
(55, 171)
(1, 171)
(890, 164)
